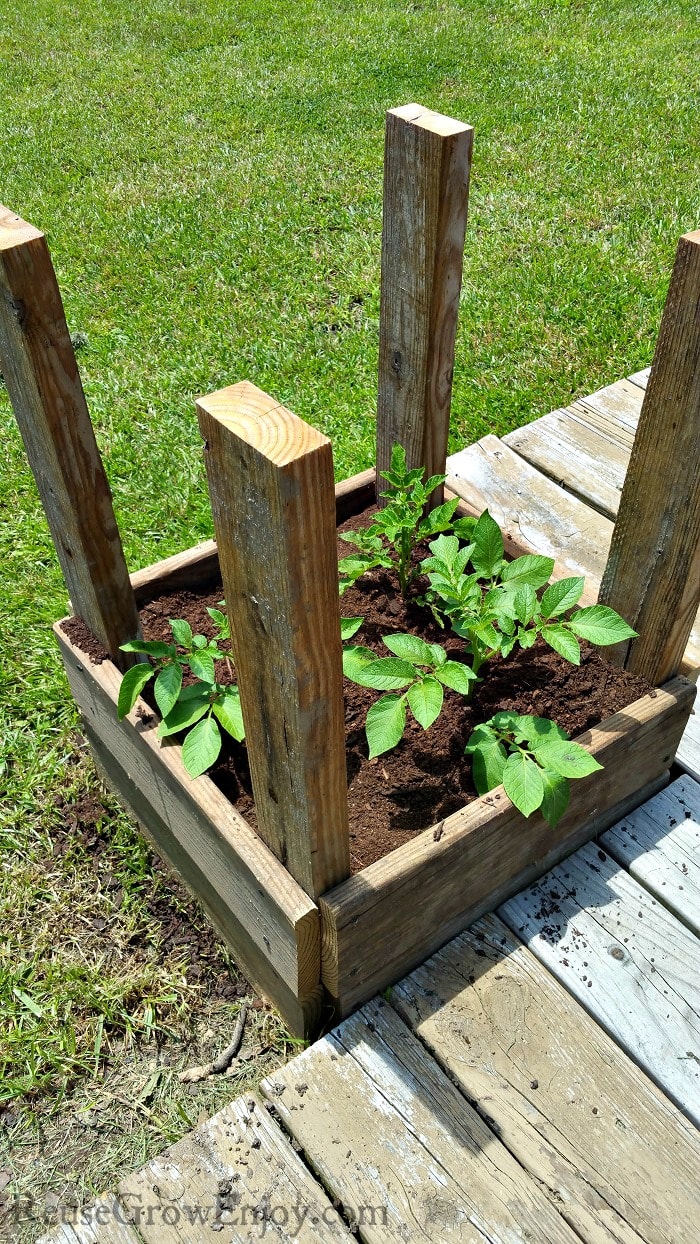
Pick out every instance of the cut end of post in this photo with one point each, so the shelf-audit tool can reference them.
(436, 122)
(14, 231)
(266, 425)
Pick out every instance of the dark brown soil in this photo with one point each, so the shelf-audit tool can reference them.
(428, 776)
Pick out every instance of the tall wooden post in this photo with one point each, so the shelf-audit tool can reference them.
(272, 494)
(426, 187)
(38, 363)
(653, 572)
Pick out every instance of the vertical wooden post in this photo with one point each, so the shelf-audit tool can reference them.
(653, 572)
(426, 187)
(38, 363)
(271, 485)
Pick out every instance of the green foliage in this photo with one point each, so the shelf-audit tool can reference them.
(393, 534)
(199, 707)
(420, 670)
(533, 758)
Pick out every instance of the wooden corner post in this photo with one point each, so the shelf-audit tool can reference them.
(427, 161)
(38, 363)
(273, 501)
(652, 575)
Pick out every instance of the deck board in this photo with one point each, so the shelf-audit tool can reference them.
(620, 1162)
(238, 1175)
(659, 844)
(688, 754)
(627, 960)
(106, 1221)
(385, 1127)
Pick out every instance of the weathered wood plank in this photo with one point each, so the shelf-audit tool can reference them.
(688, 754)
(653, 568)
(271, 485)
(571, 453)
(236, 1174)
(626, 959)
(640, 378)
(621, 402)
(269, 921)
(660, 845)
(539, 517)
(42, 377)
(104, 1222)
(427, 1164)
(382, 922)
(620, 1162)
(426, 187)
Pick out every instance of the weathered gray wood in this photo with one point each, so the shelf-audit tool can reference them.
(104, 1222)
(627, 959)
(426, 188)
(539, 517)
(237, 1174)
(41, 374)
(575, 456)
(382, 922)
(621, 402)
(620, 1162)
(640, 378)
(653, 569)
(386, 1130)
(271, 925)
(688, 754)
(271, 485)
(660, 845)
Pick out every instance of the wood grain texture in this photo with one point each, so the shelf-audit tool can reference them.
(273, 501)
(583, 461)
(42, 378)
(426, 188)
(537, 516)
(618, 1160)
(653, 569)
(104, 1222)
(385, 1128)
(688, 754)
(237, 1174)
(627, 960)
(659, 844)
(270, 923)
(385, 920)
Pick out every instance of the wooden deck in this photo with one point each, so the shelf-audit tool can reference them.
(538, 1079)
(535, 1080)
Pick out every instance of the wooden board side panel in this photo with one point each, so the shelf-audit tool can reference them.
(245, 876)
(380, 923)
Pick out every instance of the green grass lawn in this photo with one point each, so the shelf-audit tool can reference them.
(209, 179)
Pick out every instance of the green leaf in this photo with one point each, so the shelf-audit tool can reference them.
(131, 686)
(457, 676)
(464, 528)
(201, 747)
(227, 709)
(348, 627)
(185, 712)
(385, 674)
(182, 632)
(410, 648)
(439, 655)
(513, 723)
(537, 730)
(30, 1004)
(601, 625)
(561, 596)
(525, 604)
(530, 569)
(222, 622)
(527, 638)
(488, 760)
(438, 519)
(555, 800)
(487, 557)
(445, 548)
(167, 687)
(566, 758)
(559, 638)
(202, 666)
(523, 782)
(386, 722)
(152, 647)
(200, 641)
(355, 657)
(425, 701)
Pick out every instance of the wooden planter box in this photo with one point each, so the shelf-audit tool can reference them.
(319, 961)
